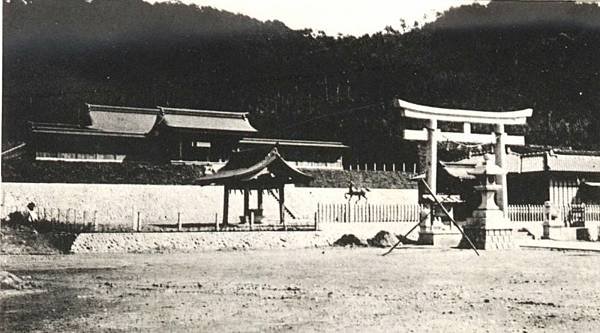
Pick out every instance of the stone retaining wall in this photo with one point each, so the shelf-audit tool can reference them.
(211, 241)
(193, 241)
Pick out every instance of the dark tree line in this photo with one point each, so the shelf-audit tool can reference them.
(60, 54)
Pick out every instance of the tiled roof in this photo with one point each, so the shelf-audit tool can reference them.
(207, 120)
(51, 128)
(573, 163)
(119, 119)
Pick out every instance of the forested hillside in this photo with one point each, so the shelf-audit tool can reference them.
(60, 54)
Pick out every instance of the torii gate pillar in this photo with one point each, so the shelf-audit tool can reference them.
(431, 158)
(500, 150)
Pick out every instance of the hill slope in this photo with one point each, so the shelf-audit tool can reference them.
(59, 54)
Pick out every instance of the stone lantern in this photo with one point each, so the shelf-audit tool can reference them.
(486, 173)
(488, 225)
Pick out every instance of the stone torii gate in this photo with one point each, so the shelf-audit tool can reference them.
(432, 134)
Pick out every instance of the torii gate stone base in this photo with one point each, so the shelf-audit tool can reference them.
(489, 227)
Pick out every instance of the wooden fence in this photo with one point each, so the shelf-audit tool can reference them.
(409, 168)
(570, 215)
(137, 220)
(348, 213)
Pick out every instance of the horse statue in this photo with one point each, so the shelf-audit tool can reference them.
(207, 169)
(356, 191)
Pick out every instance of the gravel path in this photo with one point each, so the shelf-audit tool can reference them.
(418, 290)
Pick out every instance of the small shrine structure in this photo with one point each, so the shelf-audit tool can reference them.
(255, 170)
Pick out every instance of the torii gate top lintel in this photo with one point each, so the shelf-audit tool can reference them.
(411, 110)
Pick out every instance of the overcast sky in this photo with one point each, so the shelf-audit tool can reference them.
(349, 17)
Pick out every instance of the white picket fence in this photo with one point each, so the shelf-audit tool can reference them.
(569, 214)
(349, 213)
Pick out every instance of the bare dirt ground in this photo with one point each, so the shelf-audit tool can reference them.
(410, 290)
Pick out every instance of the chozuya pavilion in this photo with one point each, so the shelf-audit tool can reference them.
(259, 170)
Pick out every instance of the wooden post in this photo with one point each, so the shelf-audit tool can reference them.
(216, 221)
(251, 222)
(138, 222)
(95, 220)
(133, 219)
(179, 228)
(225, 206)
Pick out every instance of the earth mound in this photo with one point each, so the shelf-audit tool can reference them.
(11, 281)
(17, 238)
(350, 240)
(383, 239)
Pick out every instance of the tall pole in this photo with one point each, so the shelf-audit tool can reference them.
(500, 150)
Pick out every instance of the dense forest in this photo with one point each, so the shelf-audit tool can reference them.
(60, 54)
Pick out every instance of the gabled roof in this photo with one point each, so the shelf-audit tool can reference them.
(255, 167)
(460, 169)
(131, 121)
(120, 119)
(207, 120)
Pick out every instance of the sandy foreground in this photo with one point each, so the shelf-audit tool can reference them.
(411, 290)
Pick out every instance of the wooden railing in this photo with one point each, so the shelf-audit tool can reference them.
(349, 213)
(526, 213)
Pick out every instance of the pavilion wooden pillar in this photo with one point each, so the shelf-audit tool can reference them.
(259, 199)
(500, 151)
(282, 205)
(246, 204)
(225, 205)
